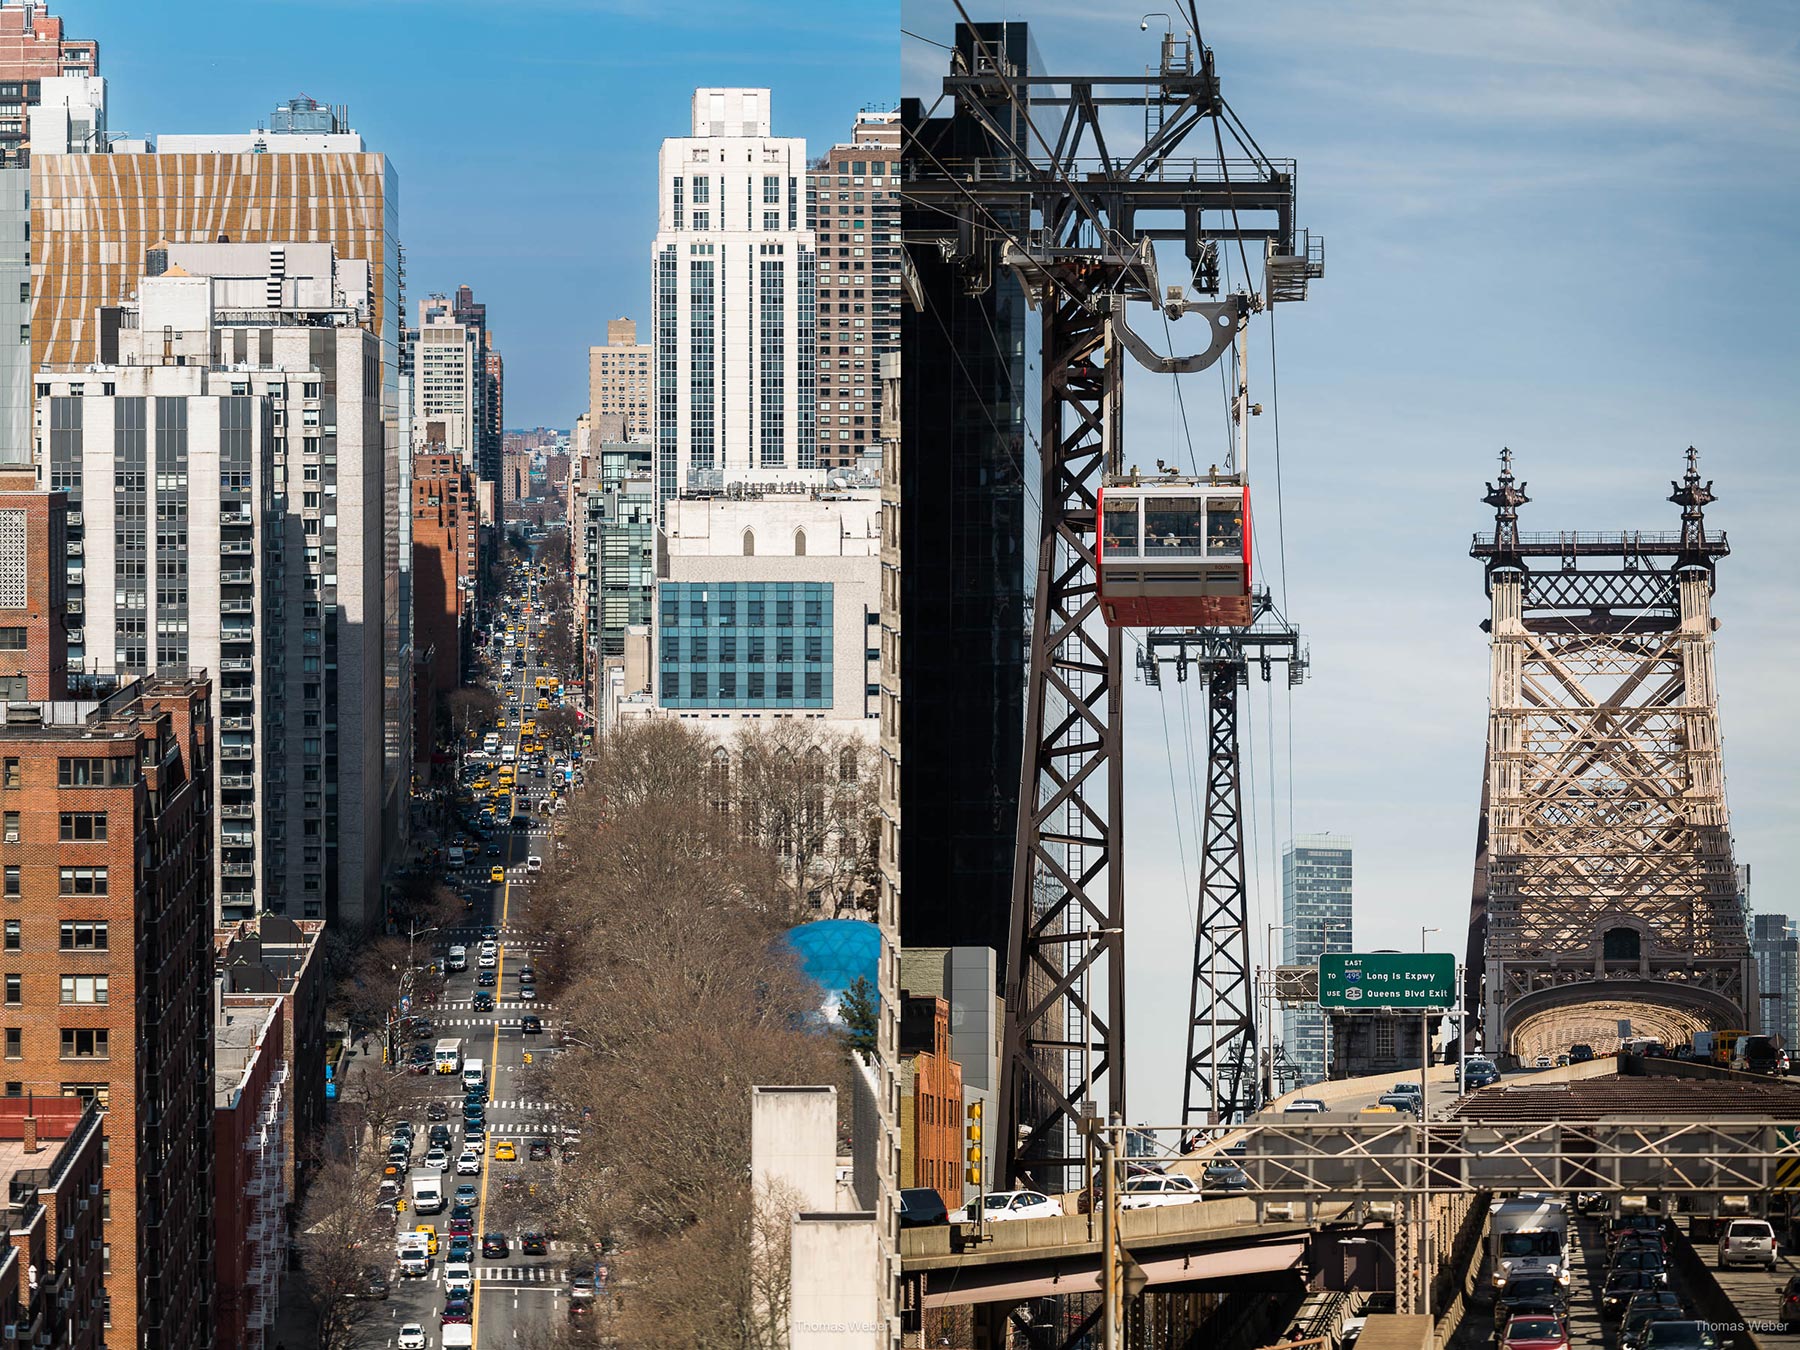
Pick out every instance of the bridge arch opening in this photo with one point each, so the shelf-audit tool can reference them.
(1622, 944)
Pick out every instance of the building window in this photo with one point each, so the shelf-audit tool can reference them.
(12, 639)
(85, 1043)
(82, 936)
(75, 825)
(12, 935)
(13, 993)
(84, 988)
(14, 885)
(15, 1042)
(1384, 1037)
(9, 831)
(82, 881)
(13, 778)
(79, 772)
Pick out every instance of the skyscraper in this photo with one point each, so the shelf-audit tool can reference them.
(227, 454)
(50, 91)
(733, 297)
(308, 178)
(1316, 918)
(1775, 945)
(964, 555)
(853, 200)
(449, 380)
(619, 385)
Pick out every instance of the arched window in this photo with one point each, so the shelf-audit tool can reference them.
(799, 543)
(721, 781)
(749, 543)
(847, 764)
(1621, 944)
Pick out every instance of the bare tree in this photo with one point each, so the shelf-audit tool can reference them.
(807, 796)
(343, 1234)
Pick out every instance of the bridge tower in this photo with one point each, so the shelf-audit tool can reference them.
(1604, 885)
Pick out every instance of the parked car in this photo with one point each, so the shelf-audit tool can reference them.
(375, 1282)
(1150, 1191)
(922, 1207)
(1790, 1304)
(1003, 1206)
(1747, 1242)
(1533, 1331)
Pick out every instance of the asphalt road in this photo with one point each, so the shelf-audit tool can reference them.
(518, 1291)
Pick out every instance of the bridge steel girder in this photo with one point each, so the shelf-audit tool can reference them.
(1604, 857)
(1701, 1159)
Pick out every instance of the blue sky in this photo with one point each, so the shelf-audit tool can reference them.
(1566, 229)
(525, 133)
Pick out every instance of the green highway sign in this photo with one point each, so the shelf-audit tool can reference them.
(1380, 981)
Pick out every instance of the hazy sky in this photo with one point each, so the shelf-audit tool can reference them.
(1566, 229)
(525, 132)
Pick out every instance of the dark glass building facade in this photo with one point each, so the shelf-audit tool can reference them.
(963, 544)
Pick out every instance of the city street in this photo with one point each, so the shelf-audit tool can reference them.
(482, 1007)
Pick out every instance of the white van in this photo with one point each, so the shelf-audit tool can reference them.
(456, 855)
(474, 1074)
(509, 754)
(458, 958)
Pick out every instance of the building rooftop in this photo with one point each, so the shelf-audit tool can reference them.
(238, 1037)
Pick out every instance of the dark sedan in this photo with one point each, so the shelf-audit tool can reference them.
(495, 1244)
(533, 1244)
(1621, 1285)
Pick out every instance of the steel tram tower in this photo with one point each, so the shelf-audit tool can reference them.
(1097, 210)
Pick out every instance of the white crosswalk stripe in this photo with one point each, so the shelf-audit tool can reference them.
(533, 1274)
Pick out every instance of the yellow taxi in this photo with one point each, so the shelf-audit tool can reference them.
(543, 682)
(543, 703)
(505, 1152)
(496, 874)
(431, 1238)
(1380, 1111)
(530, 727)
(480, 785)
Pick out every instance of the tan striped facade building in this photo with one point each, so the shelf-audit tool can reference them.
(95, 219)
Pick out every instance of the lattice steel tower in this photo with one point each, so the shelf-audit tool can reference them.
(1604, 885)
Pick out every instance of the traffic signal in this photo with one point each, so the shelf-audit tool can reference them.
(974, 1137)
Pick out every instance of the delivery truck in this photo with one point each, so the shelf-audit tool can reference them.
(1527, 1235)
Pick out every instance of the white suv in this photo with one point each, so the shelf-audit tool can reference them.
(458, 1278)
(1747, 1242)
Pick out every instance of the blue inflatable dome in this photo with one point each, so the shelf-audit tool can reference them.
(835, 953)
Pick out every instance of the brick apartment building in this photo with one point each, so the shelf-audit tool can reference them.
(33, 48)
(445, 532)
(50, 1176)
(105, 971)
(34, 641)
(273, 954)
(931, 1099)
(250, 1107)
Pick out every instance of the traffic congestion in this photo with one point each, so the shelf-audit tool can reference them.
(477, 1255)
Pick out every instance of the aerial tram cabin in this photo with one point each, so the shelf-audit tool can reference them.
(1174, 553)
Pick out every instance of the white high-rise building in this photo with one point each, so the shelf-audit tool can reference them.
(224, 464)
(734, 310)
(447, 380)
(1316, 915)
